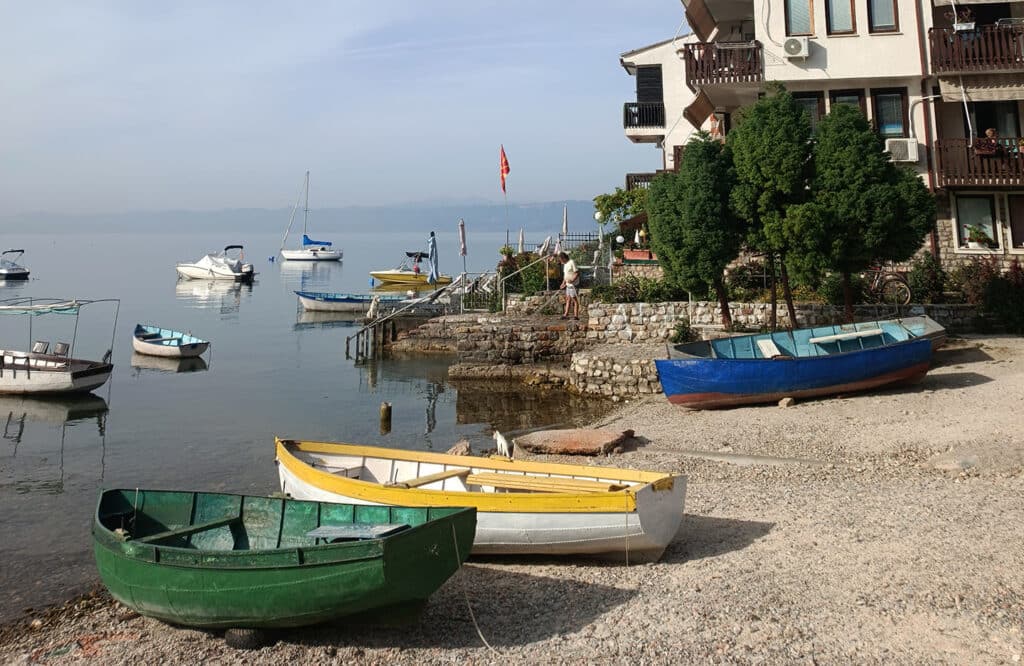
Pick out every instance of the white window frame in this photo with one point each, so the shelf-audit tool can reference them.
(1001, 209)
(1016, 245)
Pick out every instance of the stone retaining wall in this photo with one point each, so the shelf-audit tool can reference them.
(650, 322)
(616, 371)
(497, 339)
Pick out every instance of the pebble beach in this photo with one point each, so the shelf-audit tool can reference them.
(876, 528)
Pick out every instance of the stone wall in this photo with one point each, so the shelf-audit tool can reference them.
(651, 271)
(650, 322)
(616, 371)
(506, 339)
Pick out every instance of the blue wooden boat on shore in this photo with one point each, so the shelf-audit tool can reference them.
(803, 363)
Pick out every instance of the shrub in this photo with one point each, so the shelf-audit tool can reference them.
(1004, 298)
(747, 282)
(972, 278)
(831, 289)
(633, 289)
(683, 332)
(926, 278)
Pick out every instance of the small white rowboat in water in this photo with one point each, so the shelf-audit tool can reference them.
(522, 507)
(156, 341)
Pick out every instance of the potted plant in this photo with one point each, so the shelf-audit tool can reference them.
(977, 237)
(962, 19)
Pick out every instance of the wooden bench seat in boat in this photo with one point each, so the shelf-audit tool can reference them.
(156, 338)
(189, 530)
(354, 532)
(429, 478)
(544, 484)
(846, 336)
(768, 348)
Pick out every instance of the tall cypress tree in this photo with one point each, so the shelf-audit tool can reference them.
(693, 228)
(863, 208)
(771, 148)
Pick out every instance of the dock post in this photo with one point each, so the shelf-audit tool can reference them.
(385, 418)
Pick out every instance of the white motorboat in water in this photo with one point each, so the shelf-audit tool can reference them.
(223, 265)
(10, 269)
(43, 370)
(311, 250)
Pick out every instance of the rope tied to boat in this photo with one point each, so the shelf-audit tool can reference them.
(465, 595)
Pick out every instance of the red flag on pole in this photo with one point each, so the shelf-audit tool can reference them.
(503, 167)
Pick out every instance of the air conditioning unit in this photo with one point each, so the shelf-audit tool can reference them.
(902, 150)
(796, 47)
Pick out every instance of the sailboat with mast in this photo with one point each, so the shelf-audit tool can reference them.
(311, 250)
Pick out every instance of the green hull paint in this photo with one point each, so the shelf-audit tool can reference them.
(219, 560)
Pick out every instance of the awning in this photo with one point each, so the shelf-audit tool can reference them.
(699, 110)
(983, 88)
(699, 18)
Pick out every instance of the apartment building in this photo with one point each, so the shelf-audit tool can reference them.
(941, 80)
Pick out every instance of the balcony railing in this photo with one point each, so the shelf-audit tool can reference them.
(986, 48)
(643, 114)
(980, 163)
(723, 62)
(636, 181)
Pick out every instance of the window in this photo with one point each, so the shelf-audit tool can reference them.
(1016, 213)
(799, 17)
(890, 111)
(813, 103)
(978, 211)
(839, 17)
(853, 98)
(882, 16)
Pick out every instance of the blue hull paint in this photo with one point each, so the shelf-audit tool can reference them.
(720, 382)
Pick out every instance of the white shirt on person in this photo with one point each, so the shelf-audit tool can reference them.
(569, 271)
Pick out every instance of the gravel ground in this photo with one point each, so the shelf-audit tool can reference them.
(883, 528)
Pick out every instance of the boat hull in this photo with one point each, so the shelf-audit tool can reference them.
(156, 341)
(408, 277)
(194, 272)
(249, 572)
(337, 305)
(312, 255)
(13, 275)
(635, 524)
(43, 374)
(709, 383)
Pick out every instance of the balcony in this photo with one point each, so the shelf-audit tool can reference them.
(962, 164)
(719, 63)
(986, 49)
(643, 114)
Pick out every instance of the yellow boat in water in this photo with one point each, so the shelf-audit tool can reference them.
(409, 273)
(522, 507)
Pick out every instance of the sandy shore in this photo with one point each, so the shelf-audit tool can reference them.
(883, 528)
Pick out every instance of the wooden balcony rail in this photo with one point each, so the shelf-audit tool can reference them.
(980, 162)
(639, 180)
(642, 180)
(728, 62)
(643, 114)
(984, 49)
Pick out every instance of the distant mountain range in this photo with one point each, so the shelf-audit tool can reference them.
(478, 216)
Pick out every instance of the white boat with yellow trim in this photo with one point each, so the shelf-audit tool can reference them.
(522, 507)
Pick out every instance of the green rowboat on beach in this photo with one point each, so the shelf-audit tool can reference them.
(217, 560)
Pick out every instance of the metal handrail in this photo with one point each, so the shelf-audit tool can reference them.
(545, 258)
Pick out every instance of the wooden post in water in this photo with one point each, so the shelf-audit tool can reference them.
(385, 418)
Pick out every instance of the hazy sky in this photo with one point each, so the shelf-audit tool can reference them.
(114, 106)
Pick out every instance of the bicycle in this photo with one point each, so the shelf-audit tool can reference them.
(888, 286)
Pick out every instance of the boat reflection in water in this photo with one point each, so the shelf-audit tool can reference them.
(213, 294)
(308, 275)
(144, 362)
(16, 413)
(307, 319)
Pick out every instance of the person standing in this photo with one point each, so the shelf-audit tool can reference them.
(570, 278)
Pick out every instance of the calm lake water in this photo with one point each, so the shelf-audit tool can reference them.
(209, 426)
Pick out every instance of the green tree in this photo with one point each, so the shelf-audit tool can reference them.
(771, 148)
(693, 228)
(863, 207)
(621, 204)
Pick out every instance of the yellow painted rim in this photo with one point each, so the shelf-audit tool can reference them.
(621, 501)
